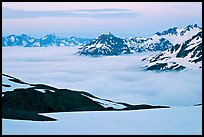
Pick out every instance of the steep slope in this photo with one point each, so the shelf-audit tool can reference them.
(178, 35)
(187, 55)
(106, 44)
(162, 41)
(148, 44)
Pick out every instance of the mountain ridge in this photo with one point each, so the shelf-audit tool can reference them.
(160, 41)
(46, 41)
(187, 55)
(107, 44)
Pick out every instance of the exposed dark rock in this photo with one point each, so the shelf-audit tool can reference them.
(12, 113)
(26, 103)
(198, 104)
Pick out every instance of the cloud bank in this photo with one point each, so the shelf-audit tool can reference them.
(116, 78)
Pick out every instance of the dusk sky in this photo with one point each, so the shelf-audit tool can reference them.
(91, 19)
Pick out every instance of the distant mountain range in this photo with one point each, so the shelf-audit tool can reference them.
(187, 55)
(180, 47)
(24, 101)
(47, 41)
(108, 44)
(159, 41)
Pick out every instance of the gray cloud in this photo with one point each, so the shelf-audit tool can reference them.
(8, 13)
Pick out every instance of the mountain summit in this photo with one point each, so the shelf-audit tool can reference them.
(105, 44)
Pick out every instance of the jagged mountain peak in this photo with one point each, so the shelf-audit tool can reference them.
(105, 44)
(48, 40)
(178, 30)
(106, 39)
(171, 31)
(50, 35)
(187, 55)
(178, 35)
(23, 34)
(160, 41)
(192, 26)
(74, 37)
(107, 35)
(18, 35)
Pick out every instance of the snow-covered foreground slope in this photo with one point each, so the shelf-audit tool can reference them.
(118, 78)
(173, 121)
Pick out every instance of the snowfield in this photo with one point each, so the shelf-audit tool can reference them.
(118, 78)
(168, 121)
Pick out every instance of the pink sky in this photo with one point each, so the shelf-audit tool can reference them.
(153, 17)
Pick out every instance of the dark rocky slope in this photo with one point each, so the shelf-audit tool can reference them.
(26, 102)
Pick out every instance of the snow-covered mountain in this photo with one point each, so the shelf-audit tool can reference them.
(162, 41)
(178, 35)
(106, 44)
(187, 55)
(17, 40)
(148, 44)
(49, 40)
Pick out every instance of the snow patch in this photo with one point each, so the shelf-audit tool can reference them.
(41, 90)
(107, 104)
(13, 85)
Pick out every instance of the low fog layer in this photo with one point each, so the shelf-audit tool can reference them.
(118, 78)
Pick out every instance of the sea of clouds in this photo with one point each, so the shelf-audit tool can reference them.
(119, 78)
